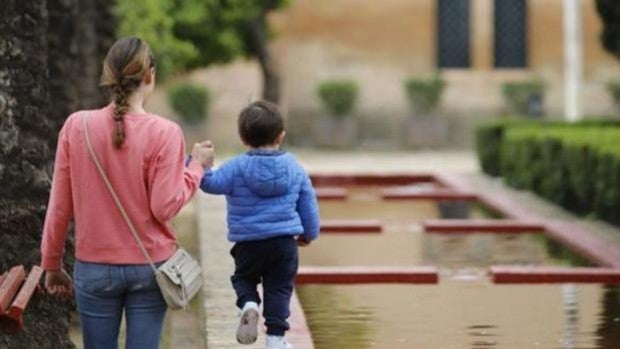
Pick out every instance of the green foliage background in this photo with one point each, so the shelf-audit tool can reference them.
(186, 34)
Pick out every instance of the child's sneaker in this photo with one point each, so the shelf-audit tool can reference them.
(277, 342)
(248, 322)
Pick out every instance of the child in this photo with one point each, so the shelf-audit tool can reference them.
(272, 208)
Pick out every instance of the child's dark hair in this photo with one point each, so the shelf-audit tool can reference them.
(260, 124)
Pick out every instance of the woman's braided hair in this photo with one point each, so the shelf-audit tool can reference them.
(124, 68)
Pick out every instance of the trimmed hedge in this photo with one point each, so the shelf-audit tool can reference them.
(490, 135)
(489, 138)
(576, 166)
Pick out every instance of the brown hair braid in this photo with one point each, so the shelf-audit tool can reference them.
(124, 68)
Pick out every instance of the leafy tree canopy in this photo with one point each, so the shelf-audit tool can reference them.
(185, 34)
(609, 11)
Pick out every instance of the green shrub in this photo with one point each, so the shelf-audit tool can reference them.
(190, 101)
(519, 95)
(424, 94)
(576, 166)
(489, 137)
(338, 96)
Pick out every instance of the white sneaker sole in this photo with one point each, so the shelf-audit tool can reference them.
(247, 331)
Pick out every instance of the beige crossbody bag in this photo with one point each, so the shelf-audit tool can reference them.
(180, 277)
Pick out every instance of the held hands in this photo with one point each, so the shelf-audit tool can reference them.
(204, 153)
(58, 283)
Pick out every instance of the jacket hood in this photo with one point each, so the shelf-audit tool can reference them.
(268, 173)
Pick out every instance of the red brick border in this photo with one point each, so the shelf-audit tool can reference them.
(482, 226)
(10, 285)
(530, 275)
(366, 275)
(439, 194)
(336, 180)
(299, 335)
(332, 193)
(351, 226)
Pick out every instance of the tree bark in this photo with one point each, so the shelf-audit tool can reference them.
(25, 163)
(105, 25)
(62, 60)
(258, 46)
(96, 33)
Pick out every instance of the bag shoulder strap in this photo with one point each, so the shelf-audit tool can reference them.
(117, 201)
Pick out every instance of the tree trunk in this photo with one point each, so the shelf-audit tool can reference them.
(25, 163)
(258, 44)
(105, 26)
(96, 33)
(609, 11)
(62, 60)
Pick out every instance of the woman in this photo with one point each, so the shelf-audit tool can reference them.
(142, 154)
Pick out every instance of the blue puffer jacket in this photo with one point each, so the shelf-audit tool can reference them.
(268, 194)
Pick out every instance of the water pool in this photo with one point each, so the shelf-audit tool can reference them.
(459, 312)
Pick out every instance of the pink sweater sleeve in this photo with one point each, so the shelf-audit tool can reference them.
(172, 184)
(59, 208)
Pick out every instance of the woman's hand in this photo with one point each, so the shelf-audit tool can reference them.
(58, 283)
(204, 153)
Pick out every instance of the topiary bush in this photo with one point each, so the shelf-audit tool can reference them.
(190, 101)
(424, 94)
(521, 96)
(338, 96)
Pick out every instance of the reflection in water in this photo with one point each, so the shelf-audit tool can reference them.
(483, 336)
(462, 315)
(478, 251)
(570, 300)
(336, 321)
(608, 331)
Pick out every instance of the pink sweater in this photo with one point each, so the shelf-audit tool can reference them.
(148, 175)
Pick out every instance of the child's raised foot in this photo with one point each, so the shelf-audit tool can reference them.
(247, 330)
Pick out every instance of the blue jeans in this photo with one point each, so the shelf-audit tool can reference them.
(104, 291)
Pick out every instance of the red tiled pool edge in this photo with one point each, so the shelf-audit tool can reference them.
(332, 193)
(530, 275)
(430, 194)
(366, 275)
(334, 179)
(351, 226)
(299, 335)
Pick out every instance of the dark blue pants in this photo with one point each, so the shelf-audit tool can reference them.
(274, 263)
